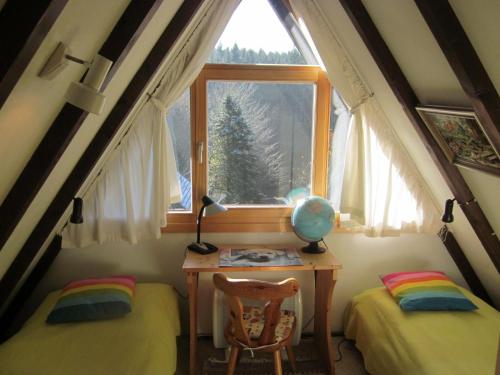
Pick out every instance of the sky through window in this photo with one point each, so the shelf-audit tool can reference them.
(254, 25)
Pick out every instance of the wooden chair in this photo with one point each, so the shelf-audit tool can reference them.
(266, 329)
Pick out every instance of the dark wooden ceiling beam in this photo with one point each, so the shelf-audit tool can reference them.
(23, 27)
(67, 123)
(9, 321)
(97, 147)
(408, 100)
(463, 264)
(283, 10)
(465, 62)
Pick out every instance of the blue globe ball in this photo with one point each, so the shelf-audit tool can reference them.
(313, 218)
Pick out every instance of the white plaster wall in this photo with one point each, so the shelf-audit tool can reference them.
(479, 18)
(34, 102)
(363, 259)
(416, 51)
(427, 70)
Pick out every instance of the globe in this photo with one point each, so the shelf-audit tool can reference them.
(312, 219)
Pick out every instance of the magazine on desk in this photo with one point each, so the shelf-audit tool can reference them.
(259, 257)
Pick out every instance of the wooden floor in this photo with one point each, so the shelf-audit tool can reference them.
(351, 363)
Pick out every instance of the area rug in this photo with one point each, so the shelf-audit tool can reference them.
(261, 366)
(351, 362)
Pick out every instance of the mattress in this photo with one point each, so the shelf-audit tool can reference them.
(142, 342)
(425, 342)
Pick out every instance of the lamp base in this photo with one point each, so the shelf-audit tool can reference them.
(202, 248)
(313, 248)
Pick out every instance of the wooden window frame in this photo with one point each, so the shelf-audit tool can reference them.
(248, 218)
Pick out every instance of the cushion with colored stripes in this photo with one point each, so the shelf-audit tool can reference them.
(94, 299)
(426, 290)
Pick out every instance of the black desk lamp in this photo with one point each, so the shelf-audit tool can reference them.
(210, 207)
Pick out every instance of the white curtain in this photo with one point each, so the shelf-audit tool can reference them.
(338, 142)
(381, 187)
(130, 199)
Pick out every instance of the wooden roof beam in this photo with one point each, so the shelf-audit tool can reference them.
(97, 147)
(23, 26)
(408, 100)
(67, 123)
(463, 264)
(283, 10)
(9, 321)
(465, 62)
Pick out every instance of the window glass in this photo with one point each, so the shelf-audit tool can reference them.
(179, 123)
(259, 141)
(255, 35)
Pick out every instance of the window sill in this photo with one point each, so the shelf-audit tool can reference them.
(281, 225)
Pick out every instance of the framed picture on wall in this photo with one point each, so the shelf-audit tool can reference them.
(461, 137)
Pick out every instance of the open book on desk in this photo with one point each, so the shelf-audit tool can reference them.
(242, 257)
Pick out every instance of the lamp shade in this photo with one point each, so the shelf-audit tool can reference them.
(87, 95)
(212, 207)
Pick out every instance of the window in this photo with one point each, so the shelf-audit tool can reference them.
(258, 134)
(255, 35)
(259, 140)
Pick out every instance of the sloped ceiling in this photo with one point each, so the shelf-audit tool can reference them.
(84, 25)
(432, 79)
(417, 52)
(34, 102)
(427, 70)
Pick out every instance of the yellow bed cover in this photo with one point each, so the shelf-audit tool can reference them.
(143, 342)
(395, 342)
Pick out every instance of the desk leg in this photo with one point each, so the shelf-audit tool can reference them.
(323, 290)
(192, 285)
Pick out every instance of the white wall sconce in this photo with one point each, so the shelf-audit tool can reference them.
(85, 95)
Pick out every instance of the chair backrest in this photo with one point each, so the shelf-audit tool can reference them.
(272, 293)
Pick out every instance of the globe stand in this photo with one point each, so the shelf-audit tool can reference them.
(313, 248)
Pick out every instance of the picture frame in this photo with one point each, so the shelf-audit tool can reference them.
(461, 137)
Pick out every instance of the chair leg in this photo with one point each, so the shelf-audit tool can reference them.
(240, 352)
(233, 358)
(277, 363)
(291, 357)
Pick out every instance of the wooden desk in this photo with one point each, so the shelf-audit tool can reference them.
(325, 268)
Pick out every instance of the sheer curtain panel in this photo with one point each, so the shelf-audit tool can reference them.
(130, 198)
(381, 187)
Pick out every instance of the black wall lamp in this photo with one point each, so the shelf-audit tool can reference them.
(77, 214)
(448, 211)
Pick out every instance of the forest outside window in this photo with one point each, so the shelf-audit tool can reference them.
(259, 134)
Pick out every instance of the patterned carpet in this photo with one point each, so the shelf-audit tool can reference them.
(212, 361)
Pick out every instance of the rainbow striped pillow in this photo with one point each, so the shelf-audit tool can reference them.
(94, 299)
(426, 290)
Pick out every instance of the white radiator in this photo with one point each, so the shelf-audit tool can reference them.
(220, 313)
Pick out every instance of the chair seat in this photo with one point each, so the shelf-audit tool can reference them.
(253, 322)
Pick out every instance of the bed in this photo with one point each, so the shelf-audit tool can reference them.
(142, 342)
(422, 343)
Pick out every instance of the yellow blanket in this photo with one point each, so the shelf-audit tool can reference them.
(143, 342)
(395, 342)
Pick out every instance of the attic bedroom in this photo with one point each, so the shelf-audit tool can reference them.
(250, 187)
